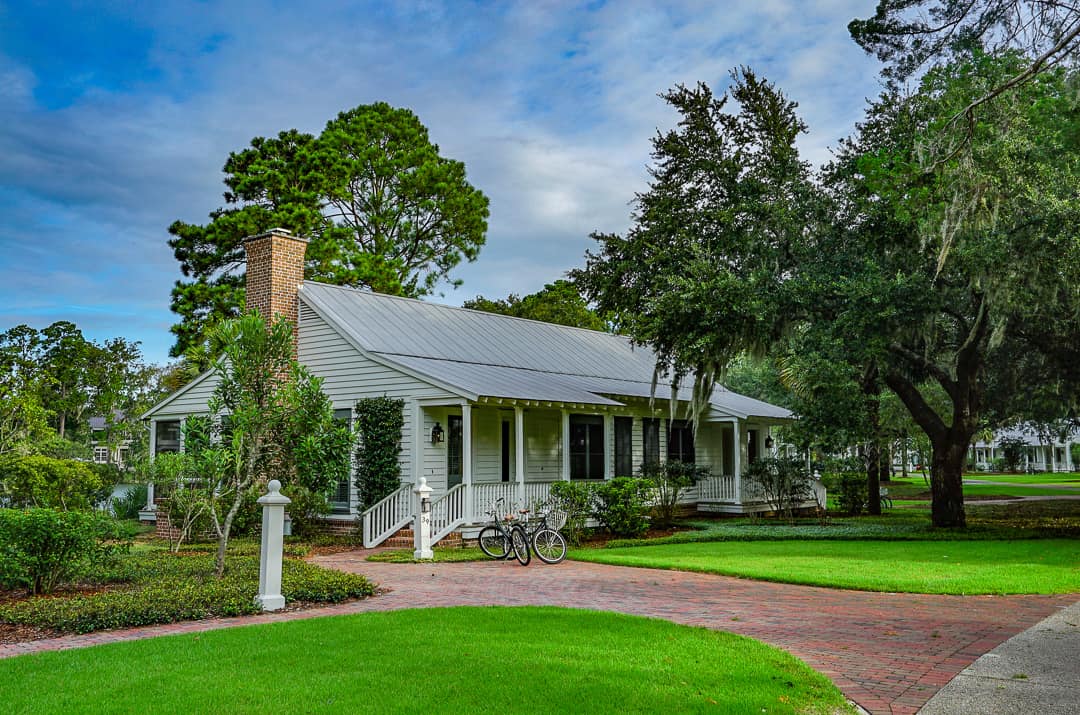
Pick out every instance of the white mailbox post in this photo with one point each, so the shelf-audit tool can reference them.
(422, 522)
(273, 524)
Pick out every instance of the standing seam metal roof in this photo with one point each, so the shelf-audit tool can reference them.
(501, 356)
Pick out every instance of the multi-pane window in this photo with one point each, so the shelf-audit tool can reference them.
(101, 455)
(339, 498)
(650, 432)
(624, 446)
(167, 437)
(586, 447)
(681, 441)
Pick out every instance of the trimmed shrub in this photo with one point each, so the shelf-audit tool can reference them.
(45, 482)
(169, 588)
(576, 499)
(379, 422)
(621, 506)
(43, 548)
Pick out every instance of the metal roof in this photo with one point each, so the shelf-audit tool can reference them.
(500, 356)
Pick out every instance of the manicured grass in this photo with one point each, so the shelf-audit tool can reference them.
(1065, 479)
(974, 491)
(405, 556)
(949, 567)
(457, 660)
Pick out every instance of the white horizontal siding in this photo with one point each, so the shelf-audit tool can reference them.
(189, 402)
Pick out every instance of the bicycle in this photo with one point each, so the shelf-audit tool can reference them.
(504, 537)
(546, 541)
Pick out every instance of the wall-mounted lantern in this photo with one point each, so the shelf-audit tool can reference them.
(436, 434)
(768, 442)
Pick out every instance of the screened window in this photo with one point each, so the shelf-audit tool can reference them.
(624, 446)
(167, 437)
(339, 497)
(650, 432)
(681, 441)
(586, 447)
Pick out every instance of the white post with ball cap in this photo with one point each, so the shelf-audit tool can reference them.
(273, 528)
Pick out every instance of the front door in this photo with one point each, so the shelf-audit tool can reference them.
(453, 451)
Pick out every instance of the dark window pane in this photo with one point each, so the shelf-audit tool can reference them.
(454, 450)
(681, 441)
(167, 437)
(650, 432)
(586, 447)
(624, 446)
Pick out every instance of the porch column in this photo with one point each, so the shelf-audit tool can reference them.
(519, 452)
(153, 451)
(565, 476)
(737, 461)
(418, 442)
(1053, 457)
(609, 430)
(466, 460)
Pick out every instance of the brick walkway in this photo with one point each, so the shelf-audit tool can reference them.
(888, 652)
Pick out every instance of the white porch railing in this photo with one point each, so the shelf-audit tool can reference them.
(382, 520)
(714, 488)
(447, 513)
(484, 493)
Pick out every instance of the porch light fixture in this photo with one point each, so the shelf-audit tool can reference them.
(768, 443)
(436, 434)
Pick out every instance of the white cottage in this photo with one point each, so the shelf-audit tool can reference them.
(494, 406)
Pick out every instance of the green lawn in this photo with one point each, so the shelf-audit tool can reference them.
(914, 487)
(1070, 479)
(950, 567)
(458, 660)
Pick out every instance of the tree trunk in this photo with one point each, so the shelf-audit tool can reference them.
(873, 487)
(946, 484)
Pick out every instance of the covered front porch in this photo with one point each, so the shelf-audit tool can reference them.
(472, 453)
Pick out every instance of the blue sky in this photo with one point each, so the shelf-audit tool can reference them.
(117, 118)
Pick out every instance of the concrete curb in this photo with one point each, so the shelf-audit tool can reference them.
(1037, 671)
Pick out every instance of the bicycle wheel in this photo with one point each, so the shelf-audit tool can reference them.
(520, 543)
(550, 546)
(493, 542)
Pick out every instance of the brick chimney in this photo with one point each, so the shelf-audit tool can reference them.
(275, 270)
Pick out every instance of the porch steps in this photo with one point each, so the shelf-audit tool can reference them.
(404, 539)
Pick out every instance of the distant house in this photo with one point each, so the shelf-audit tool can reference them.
(103, 452)
(495, 406)
(1044, 451)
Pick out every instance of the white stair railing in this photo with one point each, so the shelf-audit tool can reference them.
(385, 518)
(447, 513)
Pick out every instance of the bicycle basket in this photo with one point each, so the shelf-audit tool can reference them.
(556, 519)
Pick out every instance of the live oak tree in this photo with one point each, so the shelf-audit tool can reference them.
(560, 302)
(911, 36)
(381, 207)
(926, 253)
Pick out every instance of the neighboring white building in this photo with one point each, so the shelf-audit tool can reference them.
(103, 453)
(494, 406)
(1042, 453)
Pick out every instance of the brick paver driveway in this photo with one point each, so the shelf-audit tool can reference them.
(888, 652)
